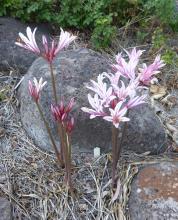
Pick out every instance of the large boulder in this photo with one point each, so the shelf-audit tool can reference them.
(154, 192)
(12, 56)
(73, 69)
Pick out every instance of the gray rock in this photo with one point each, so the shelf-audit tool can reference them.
(77, 67)
(12, 55)
(154, 193)
(5, 209)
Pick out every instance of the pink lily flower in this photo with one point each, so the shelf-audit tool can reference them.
(123, 92)
(100, 88)
(36, 88)
(117, 115)
(127, 69)
(64, 40)
(147, 73)
(134, 56)
(113, 78)
(29, 42)
(97, 106)
(138, 100)
(49, 52)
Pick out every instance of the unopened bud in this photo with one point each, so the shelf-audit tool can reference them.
(69, 106)
(70, 125)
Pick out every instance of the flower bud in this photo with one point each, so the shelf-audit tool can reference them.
(68, 108)
(70, 125)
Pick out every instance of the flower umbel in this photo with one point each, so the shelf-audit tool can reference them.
(61, 112)
(48, 52)
(36, 88)
(106, 102)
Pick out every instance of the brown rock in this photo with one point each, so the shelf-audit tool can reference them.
(154, 194)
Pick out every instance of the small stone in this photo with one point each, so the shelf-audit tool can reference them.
(96, 152)
(2, 132)
(139, 190)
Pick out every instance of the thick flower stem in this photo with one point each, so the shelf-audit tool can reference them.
(121, 140)
(64, 147)
(59, 127)
(69, 145)
(114, 152)
(68, 162)
(60, 133)
(49, 133)
(53, 82)
(122, 137)
(67, 158)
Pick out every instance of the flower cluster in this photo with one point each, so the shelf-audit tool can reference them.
(112, 101)
(48, 52)
(61, 114)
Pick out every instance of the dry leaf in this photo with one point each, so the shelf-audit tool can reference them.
(34, 165)
(175, 147)
(89, 189)
(158, 91)
(83, 207)
(169, 100)
(105, 193)
(171, 128)
(172, 120)
(32, 195)
(116, 194)
(2, 132)
(175, 137)
(145, 153)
